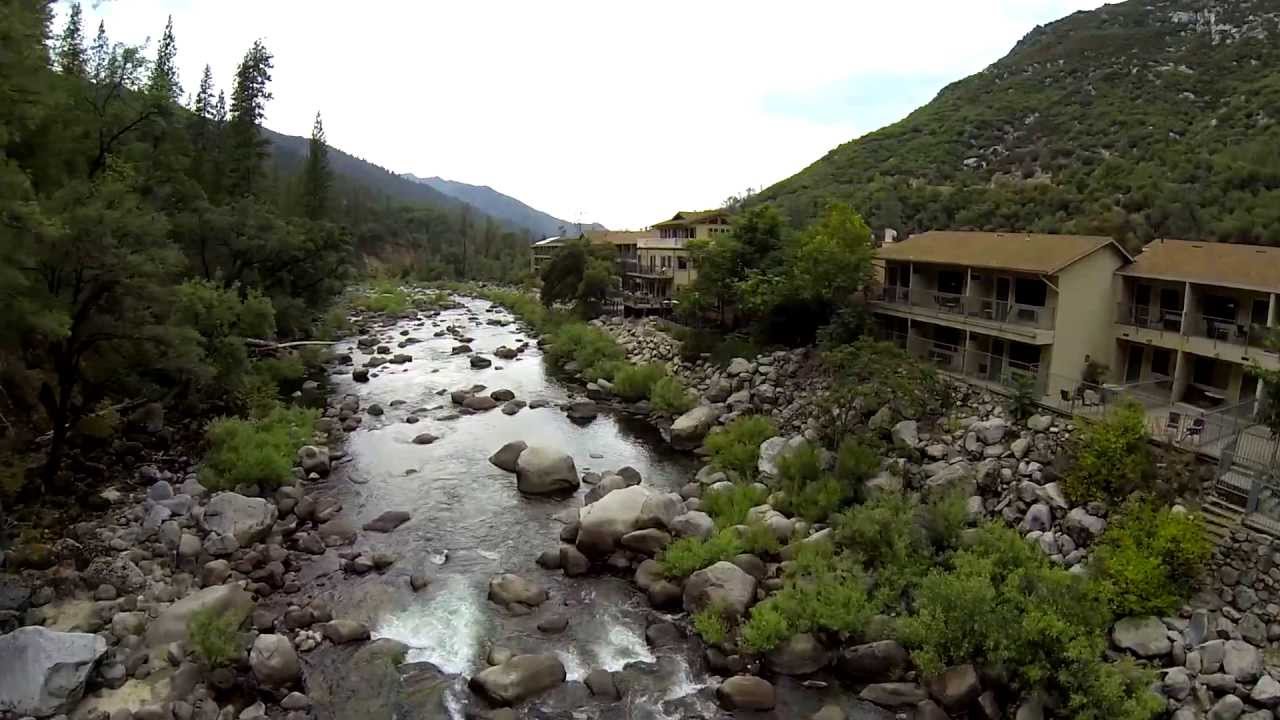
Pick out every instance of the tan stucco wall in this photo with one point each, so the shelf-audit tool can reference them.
(1085, 317)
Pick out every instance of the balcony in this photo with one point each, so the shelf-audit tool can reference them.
(969, 362)
(635, 267)
(1227, 330)
(1149, 318)
(970, 306)
(1223, 338)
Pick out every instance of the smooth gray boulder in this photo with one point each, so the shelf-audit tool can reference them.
(771, 451)
(507, 455)
(693, 524)
(274, 661)
(689, 430)
(723, 585)
(746, 692)
(602, 524)
(542, 470)
(519, 678)
(1143, 636)
(508, 589)
(172, 623)
(874, 662)
(43, 672)
(800, 654)
(246, 519)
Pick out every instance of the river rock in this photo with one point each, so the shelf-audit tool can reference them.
(502, 395)
(1242, 661)
(770, 452)
(44, 671)
(342, 631)
(955, 687)
(480, 362)
(582, 411)
(601, 684)
(1143, 636)
(649, 541)
(573, 562)
(602, 524)
(746, 692)
(799, 654)
(173, 622)
(387, 521)
(693, 524)
(248, 520)
(875, 662)
(118, 572)
(425, 438)
(508, 589)
(723, 585)
(894, 694)
(519, 678)
(274, 661)
(507, 455)
(544, 471)
(689, 430)
(480, 403)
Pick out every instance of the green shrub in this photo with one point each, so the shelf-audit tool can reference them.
(669, 397)
(636, 382)
(1149, 559)
(822, 596)
(593, 349)
(255, 452)
(258, 396)
(729, 507)
(857, 461)
(688, 555)
(384, 296)
(887, 534)
(999, 603)
(758, 539)
(736, 447)
(1110, 458)
(215, 636)
(711, 626)
(870, 374)
(1022, 396)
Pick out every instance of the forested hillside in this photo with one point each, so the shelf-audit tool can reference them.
(1142, 119)
(141, 240)
(506, 208)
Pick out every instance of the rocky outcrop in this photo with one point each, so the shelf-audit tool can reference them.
(43, 671)
(518, 679)
(545, 471)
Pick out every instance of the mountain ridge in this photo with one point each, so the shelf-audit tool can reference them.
(1141, 119)
(506, 207)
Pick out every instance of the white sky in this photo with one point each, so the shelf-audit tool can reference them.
(598, 110)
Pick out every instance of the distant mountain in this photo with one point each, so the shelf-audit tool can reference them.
(1141, 119)
(504, 207)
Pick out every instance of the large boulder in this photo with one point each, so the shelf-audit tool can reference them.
(875, 662)
(519, 678)
(693, 524)
(746, 692)
(314, 459)
(118, 572)
(544, 471)
(771, 451)
(274, 661)
(1242, 661)
(955, 687)
(508, 589)
(1143, 636)
(990, 431)
(723, 585)
(43, 672)
(906, 433)
(172, 623)
(246, 519)
(688, 430)
(507, 455)
(800, 654)
(602, 524)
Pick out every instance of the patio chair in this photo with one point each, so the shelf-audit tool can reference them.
(1195, 430)
(1173, 424)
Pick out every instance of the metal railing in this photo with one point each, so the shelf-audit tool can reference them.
(982, 308)
(969, 362)
(1227, 330)
(635, 267)
(1149, 317)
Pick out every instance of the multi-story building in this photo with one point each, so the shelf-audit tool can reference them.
(659, 263)
(1191, 318)
(996, 305)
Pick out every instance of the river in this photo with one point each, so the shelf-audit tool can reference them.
(469, 523)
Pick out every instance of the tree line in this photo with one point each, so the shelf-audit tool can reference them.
(144, 231)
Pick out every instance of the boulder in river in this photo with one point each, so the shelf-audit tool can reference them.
(44, 671)
(274, 661)
(519, 678)
(507, 455)
(387, 521)
(228, 601)
(582, 411)
(602, 524)
(314, 459)
(800, 654)
(542, 470)
(480, 403)
(688, 430)
(508, 589)
(424, 439)
(746, 692)
(502, 395)
(480, 362)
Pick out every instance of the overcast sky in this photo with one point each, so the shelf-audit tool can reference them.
(606, 111)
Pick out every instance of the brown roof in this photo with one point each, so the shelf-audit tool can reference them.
(690, 217)
(1024, 252)
(617, 237)
(1250, 267)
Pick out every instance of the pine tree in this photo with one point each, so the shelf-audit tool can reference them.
(246, 148)
(163, 83)
(317, 180)
(100, 56)
(203, 105)
(71, 53)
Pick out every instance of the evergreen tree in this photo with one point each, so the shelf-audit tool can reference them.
(100, 55)
(317, 179)
(246, 149)
(71, 53)
(203, 105)
(163, 83)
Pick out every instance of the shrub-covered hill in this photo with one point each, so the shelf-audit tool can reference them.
(1142, 119)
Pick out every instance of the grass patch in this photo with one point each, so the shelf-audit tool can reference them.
(711, 626)
(257, 451)
(736, 447)
(728, 507)
(670, 397)
(636, 382)
(215, 636)
(689, 555)
(592, 349)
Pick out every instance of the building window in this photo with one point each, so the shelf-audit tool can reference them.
(951, 281)
(682, 262)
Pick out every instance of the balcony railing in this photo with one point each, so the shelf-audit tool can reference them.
(969, 362)
(1224, 330)
(1151, 318)
(635, 267)
(982, 308)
